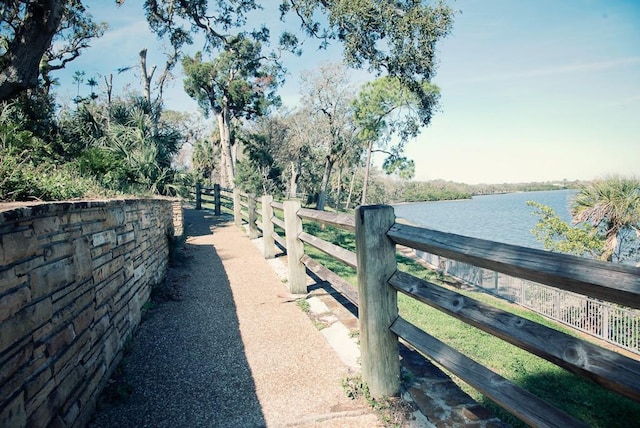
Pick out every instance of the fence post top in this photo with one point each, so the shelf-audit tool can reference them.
(361, 210)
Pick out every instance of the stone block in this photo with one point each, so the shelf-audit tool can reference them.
(105, 271)
(9, 279)
(66, 310)
(71, 356)
(60, 340)
(16, 246)
(24, 323)
(82, 263)
(10, 364)
(57, 250)
(114, 217)
(68, 233)
(91, 228)
(38, 387)
(93, 215)
(102, 259)
(84, 320)
(103, 238)
(13, 302)
(12, 412)
(126, 237)
(47, 225)
(47, 279)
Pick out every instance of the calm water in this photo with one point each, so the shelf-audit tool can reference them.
(503, 218)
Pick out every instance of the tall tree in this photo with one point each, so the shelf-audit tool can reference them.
(397, 38)
(328, 94)
(234, 85)
(387, 108)
(39, 36)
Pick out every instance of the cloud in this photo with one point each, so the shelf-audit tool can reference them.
(554, 70)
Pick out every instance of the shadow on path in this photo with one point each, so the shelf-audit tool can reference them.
(186, 365)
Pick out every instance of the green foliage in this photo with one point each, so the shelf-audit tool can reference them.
(612, 207)
(606, 218)
(21, 180)
(398, 38)
(557, 235)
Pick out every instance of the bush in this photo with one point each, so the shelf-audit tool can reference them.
(22, 180)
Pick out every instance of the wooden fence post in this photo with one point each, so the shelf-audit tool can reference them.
(267, 227)
(252, 216)
(378, 301)
(237, 214)
(216, 199)
(198, 196)
(295, 248)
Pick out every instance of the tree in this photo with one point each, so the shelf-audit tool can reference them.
(39, 36)
(612, 206)
(557, 235)
(606, 221)
(386, 108)
(234, 85)
(328, 94)
(397, 38)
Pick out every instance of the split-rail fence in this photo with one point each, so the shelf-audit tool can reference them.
(381, 327)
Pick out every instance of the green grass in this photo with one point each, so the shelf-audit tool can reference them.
(582, 399)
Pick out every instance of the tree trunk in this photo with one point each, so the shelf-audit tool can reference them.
(146, 75)
(365, 182)
(353, 180)
(109, 83)
(339, 191)
(20, 65)
(226, 158)
(293, 181)
(322, 197)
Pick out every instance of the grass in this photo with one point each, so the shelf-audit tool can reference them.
(581, 398)
(392, 411)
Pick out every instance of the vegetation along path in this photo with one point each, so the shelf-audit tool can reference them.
(228, 352)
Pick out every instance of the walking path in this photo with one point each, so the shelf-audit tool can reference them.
(231, 352)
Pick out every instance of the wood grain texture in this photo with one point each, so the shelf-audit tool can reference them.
(268, 248)
(378, 303)
(295, 248)
(337, 252)
(342, 221)
(605, 367)
(337, 283)
(521, 403)
(611, 282)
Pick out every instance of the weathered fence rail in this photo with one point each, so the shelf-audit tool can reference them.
(381, 328)
(615, 324)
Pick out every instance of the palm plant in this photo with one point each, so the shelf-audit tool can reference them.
(612, 206)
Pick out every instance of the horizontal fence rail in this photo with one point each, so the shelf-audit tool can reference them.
(615, 324)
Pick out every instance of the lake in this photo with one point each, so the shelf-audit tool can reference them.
(504, 218)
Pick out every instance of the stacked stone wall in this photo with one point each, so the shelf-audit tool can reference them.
(74, 277)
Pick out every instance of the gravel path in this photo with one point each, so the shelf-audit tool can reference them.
(230, 352)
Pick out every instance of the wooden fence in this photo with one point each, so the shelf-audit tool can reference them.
(217, 196)
(377, 234)
(615, 324)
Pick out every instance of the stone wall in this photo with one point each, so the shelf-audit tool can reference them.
(73, 279)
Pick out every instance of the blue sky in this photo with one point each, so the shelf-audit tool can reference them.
(532, 90)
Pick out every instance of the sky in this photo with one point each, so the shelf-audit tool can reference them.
(531, 90)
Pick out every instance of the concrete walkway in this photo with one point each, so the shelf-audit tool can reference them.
(231, 352)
